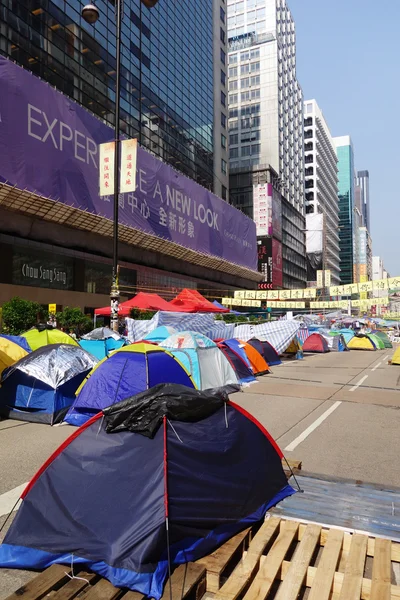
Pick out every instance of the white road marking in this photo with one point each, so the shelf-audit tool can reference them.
(312, 427)
(387, 357)
(358, 383)
(8, 499)
(376, 366)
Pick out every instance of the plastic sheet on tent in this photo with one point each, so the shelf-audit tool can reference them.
(278, 333)
(102, 333)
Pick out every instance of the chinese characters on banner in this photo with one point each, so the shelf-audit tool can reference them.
(320, 279)
(128, 162)
(328, 278)
(128, 166)
(106, 168)
(262, 208)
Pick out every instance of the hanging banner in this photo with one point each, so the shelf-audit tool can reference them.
(328, 276)
(320, 279)
(310, 293)
(128, 166)
(106, 168)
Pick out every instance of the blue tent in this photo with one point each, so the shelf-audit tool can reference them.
(41, 386)
(108, 496)
(348, 334)
(268, 351)
(160, 334)
(101, 348)
(18, 339)
(128, 371)
(237, 347)
(219, 305)
(243, 372)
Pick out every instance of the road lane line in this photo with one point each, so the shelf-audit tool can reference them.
(387, 357)
(312, 427)
(376, 366)
(8, 499)
(359, 383)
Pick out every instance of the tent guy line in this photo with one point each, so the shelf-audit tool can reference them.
(293, 445)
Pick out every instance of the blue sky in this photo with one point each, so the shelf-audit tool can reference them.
(348, 59)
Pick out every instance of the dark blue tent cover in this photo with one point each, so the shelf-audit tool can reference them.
(268, 351)
(243, 372)
(128, 371)
(41, 386)
(18, 339)
(102, 500)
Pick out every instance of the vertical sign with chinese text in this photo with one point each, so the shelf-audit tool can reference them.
(320, 279)
(106, 168)
(128, 166)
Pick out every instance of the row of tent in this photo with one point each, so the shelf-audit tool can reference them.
(342, 340)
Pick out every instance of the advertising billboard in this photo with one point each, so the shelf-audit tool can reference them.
(262, 208)
(49, 146)
(277, 266)
(264, 245)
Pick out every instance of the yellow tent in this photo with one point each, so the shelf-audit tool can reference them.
(396, 356)
(360, 343)
(36, 339)
(10, 353)
(294, 346)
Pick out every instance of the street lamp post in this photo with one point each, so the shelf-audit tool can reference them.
(91, 14)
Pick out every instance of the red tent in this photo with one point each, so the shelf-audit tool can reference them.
(142, 301)
(315, 343)
(192, 301)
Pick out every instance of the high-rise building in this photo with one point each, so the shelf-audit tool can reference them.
(363, 184)
(321, 193)
(173, 100)
(171, 75)
(345, 155)
(266, 120)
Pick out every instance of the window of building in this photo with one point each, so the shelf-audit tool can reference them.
(222, 54)
(245, 82)
(244, 69)
(233, 71)
(233, 59)
(223, 77)
(222, 35)
(224, 193)
(255, 66)
(223, 98)
(250, 136)
(255, 149)
(233, 98)
(222, 14)
(223, 141)
(223, 166)
(233, 84)
(245, 55)
(246, 151)
(233, 152)
(255, 53)
(234, 138)
(233, 124)
(255, 80)
(223, 120)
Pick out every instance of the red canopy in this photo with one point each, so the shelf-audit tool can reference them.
(192, 301)
(142, 301)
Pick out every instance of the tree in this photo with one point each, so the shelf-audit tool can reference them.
(141, 315)
(19, 315)
(73, 319)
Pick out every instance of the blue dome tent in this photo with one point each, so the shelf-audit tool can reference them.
(41, 386)
(18, 339)
(159, 334)
(101, 341)
(143, 477)
(126, 372)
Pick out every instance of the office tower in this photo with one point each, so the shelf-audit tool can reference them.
(321, 195)
(345, 155)
(266, 125)
(363, 183)
(168, 75)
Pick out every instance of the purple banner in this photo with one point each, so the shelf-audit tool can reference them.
(49, 145)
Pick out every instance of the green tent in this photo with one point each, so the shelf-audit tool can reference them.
(377, 341)
(37, 338)
(385, 338)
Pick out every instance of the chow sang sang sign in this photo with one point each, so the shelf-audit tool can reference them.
(49, 146)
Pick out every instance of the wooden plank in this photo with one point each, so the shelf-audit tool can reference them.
(323, 581)
(74, 586)
(103, 590)
(189, 578)
(265, 577)
(291, 585)
(353, 575)
(42, 584)
(243, 573)
(216, 562)
(133, 596)
(381, 570)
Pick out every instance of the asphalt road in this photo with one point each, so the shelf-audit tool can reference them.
(339, 413)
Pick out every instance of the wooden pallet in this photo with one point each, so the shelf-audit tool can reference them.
(282, 560)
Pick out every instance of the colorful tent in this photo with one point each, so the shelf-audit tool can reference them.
(159, 334)
(348, 334)
(315, 343)
(128, 371)
(41, 387)
(180, 463)
(269, 353)
(336, 343)
(192, 301)
(240, 365)
(396, 356)
(257, 362)
(19, 340)
(142, 301)
(295, 347)
(361, 342)
(101, 341)
(384, 337)
(10, 353)
(37, 337)
(379, 345)
(202, 358)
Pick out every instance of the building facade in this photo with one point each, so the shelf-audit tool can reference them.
(321, 194)
(362, 183)
(345, 155)
(169, 82)
(266, 113)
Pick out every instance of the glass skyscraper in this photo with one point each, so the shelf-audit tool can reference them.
(345, 155)
(169, 81)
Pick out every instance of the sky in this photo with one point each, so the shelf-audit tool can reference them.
(348, 60)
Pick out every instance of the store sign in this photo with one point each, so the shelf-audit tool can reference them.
(262, 208)
(49, 146)
(264, 245)
(277, 265)
(40, 270)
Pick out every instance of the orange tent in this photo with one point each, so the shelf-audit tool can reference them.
(258, 363)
